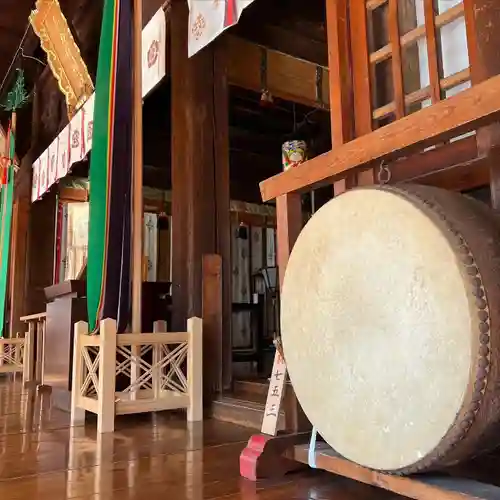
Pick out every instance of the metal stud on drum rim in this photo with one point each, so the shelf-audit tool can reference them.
(401, 372)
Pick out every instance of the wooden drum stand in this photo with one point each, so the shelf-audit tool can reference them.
(270, 455)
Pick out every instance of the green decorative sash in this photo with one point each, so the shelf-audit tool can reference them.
(108, 265)
(6, 202)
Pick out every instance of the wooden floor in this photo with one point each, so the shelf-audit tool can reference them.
(147, 458)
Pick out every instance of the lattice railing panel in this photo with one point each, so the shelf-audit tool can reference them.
(11, 355)
(168, 363)
(164, 372)
(91, 357)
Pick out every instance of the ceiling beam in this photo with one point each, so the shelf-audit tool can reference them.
(416, 167)
(286, 41)
(287, 77)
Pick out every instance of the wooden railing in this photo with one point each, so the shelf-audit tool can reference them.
(11, 355)
(34, 347)
(164, 372)
(24, 353)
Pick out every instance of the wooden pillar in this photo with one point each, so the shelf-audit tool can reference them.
(19, 246)
(193, 189)
(289, 225)
(19, 260)
(482, 19)
(200, 174)
(212, 325)
(222, 200)
(341, 102)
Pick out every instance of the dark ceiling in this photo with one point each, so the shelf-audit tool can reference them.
(256, 134)
(14, 16)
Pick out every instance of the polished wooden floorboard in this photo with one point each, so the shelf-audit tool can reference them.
(148, 457)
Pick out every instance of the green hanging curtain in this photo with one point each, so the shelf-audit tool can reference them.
(108, 263)
(6, 202)
(16, 99)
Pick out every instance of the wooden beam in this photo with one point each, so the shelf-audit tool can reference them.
(287, 77)
(475, 107)
(470, 175)
(286, 41)
(417, 166)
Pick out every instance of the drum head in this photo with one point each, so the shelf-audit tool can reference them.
(376, 326)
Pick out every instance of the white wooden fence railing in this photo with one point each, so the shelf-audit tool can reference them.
(164, 372)
(24, 353)
(12, 355)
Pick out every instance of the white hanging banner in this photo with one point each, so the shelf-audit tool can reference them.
(154, 46)
(88, 124)
(52, 163)
(209, 18)
(63, 153)
(43, 173)
(35, 186)
(75, 141)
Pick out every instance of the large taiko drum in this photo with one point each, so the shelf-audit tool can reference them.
(391, 326)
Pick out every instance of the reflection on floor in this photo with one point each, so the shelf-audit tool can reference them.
(148, 458)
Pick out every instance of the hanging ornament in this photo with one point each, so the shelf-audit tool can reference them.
(293, 153)
(266, 99)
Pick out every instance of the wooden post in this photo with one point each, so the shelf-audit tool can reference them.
(362, 84)
(341, 87)
(195, 369)
(222, 201)
(29, 355)
(289, 225)
(158, 327)
(212, 325)
(19, 244)
(290, 222)
(40, 350)
(200, 171)
(482, 18)
(77, 413)
(107, 377)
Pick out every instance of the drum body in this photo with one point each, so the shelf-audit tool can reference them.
(390, 325)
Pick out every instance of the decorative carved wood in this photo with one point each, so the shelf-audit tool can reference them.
(63, 54)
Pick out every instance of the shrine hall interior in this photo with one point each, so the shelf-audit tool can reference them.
(276, 64)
